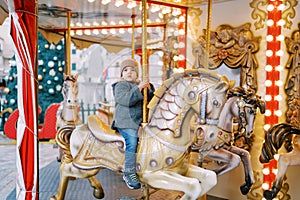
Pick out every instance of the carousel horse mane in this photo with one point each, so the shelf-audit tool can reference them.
(275, 137)
(200, 73)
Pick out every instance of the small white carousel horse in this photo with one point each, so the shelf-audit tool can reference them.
(275, 137)
(165, 142)
(241, 104)
(68, 111)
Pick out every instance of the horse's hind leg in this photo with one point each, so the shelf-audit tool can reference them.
(98, 190)
(207, 178)
(62, 187)
(172, 181)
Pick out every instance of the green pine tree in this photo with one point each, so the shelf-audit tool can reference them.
(50, 76)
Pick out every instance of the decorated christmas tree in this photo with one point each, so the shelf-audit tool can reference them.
(50, 76)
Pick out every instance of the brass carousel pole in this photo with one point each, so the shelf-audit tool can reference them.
(132, 35)
(208, 27)
(144, 55)
(68, 45)
(145, 72)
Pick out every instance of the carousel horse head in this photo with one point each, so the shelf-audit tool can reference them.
(70, 91)
(247, 103)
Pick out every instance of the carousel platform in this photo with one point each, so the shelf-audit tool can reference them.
(113, 185)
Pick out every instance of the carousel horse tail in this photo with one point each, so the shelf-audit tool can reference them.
(63, 140)
(274, 138)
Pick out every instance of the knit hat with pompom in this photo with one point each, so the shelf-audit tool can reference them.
(129, 63)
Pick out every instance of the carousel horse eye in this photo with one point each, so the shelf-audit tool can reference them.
(215, 102)
(69, 101)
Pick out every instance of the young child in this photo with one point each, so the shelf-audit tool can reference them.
(129, 98)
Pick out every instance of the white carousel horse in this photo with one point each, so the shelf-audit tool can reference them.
(241, 104)
(165, 141)
(275, 137)
(68, 111)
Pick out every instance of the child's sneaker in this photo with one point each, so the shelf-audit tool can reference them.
(131, 181)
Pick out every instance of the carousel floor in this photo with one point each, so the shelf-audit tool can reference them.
(79, 189)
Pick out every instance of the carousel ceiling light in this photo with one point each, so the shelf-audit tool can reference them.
(104, 2)
(270, 7)
(268, 68)
(104, 31)
(269, 38)
(96, 32)
(268, 113)
(269, 53)
(268, 97)
(265, 186)
(131, 4)
(91, 1)
(121, 22)
(119, 3)
(278, 113)
(270, 22)
(268, 83)
(278, 98)
(274, 171)
(95, 24)
(281, 22)
(104, 23)
(72, 24)
(279, 52)
(181, 19)
(267, 127)
(279, 83)
(280, 38)
(112, 31)
(181, 32)
(279, 68)
(266, 171)
(72, 33)
(87, 24)
(87, 32)
(122, 30)
(281, 7)
(79, 24)
(79, 32)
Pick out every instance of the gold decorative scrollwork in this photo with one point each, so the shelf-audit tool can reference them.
(234, 46)
(261, 15)
(292, 86)
(289, 12)
(258, 13)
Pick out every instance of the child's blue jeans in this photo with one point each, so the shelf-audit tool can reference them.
(131, 140)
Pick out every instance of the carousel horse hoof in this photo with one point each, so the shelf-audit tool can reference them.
(270, 194)
(245, 188)
(98, 194)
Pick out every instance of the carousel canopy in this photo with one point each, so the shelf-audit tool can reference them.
(107, 22)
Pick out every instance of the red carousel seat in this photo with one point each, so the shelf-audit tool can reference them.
(47, 131)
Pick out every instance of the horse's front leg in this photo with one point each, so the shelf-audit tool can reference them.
(245, 157)
(228, 159)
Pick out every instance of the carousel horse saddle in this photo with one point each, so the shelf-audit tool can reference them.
(102, 131)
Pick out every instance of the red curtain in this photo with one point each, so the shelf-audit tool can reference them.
(24, 34)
